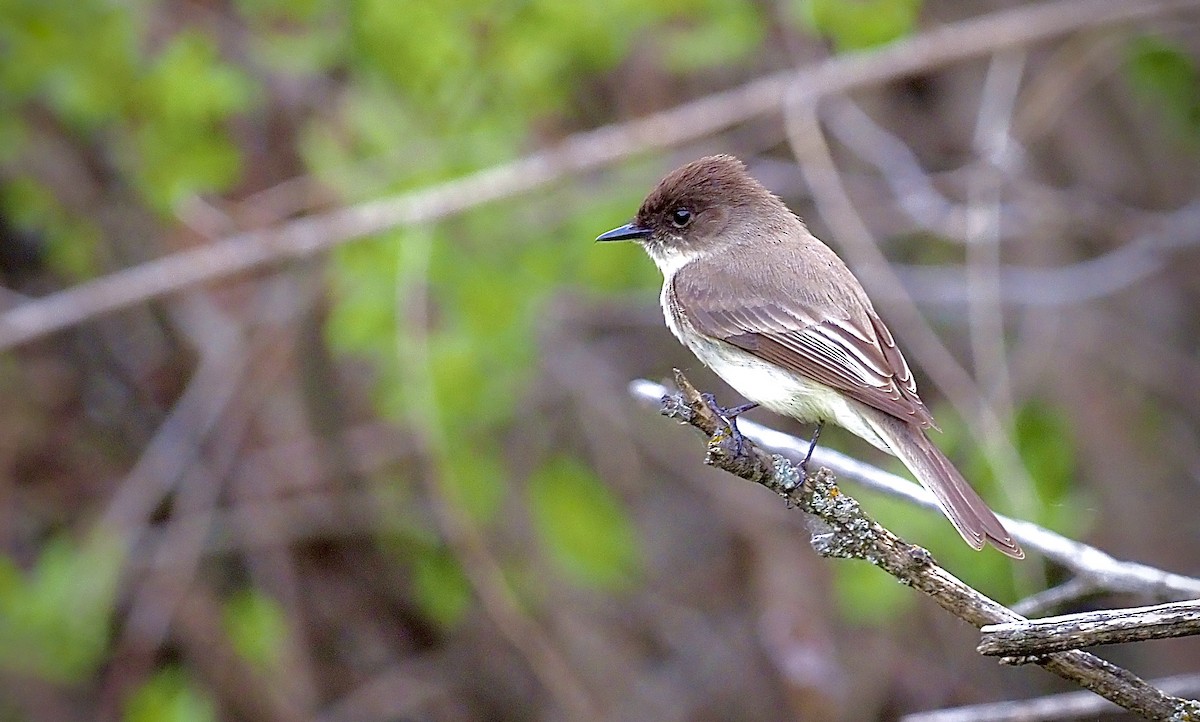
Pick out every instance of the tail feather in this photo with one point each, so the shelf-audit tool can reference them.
(960, 503)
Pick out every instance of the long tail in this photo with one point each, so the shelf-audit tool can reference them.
(960, 503)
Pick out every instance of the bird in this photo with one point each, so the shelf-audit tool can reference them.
(778, 316)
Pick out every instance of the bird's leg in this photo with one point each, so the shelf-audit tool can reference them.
(729, 416)
(812, 445)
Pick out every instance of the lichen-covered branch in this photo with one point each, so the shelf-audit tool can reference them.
(1093, 568)
(848, 532)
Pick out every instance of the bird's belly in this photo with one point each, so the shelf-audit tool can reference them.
(777, 389)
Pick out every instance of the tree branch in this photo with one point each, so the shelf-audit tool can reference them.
(1072, 591)
(245, 252)
(1069, 705)
(1144, 255)
(847, 532)
(1086, 629)
(1088, 562)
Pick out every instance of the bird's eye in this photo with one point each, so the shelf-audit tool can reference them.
(680, 217)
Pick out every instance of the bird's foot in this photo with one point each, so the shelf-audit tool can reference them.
(811, 445)
(729, 416)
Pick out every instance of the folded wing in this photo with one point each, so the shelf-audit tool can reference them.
(842, 345)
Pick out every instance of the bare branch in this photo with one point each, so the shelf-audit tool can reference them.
(176, 444)
(1069, 592)
(849, 533)
(1071, 705)
(997, 153)
(1086, 629)
(1144, 255)
(1086, 561)
(911, 185)
(590, 150)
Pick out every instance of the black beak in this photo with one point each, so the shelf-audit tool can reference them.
(627, 232)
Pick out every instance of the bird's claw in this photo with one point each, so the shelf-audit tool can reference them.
(729, 416)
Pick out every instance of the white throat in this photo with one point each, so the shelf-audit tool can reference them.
(670, 259)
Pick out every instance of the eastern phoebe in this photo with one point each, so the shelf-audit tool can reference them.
(777, 315)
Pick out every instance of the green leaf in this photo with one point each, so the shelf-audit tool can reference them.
(1044, 439)
(78, 58)
(1167, 79)
(582, 525)
(715, 39)
(302, 53)
(189, 83)
(69, 241)
(440, 587)
(54, 621)
(415, 44)
(169, 696)
(174, 163)
(861, 24)
(363, 317)
(257, 627)
(478, 481)
(283, 10)
(180, 145)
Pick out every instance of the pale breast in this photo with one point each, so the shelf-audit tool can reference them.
(765, 383)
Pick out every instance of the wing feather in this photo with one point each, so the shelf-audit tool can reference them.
(775, 315)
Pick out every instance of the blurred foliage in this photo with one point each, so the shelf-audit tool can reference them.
(180, 105)
(582, 524)
(67, 240)
(54, 618)
(1167, 80)
(480, 74)
(78, 58)
(1043, 439)
(452, 87)
(257, 627)
(169, 696)
(166, 109)
(860, 24)
(449, 314)
(863, 594)
(440, 586)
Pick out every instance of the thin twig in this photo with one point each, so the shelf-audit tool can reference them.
(398, 692)
(246, 691)
(847, 532)
(1069, 592)
(1067, 706)
(1086, 629)
(271, 523)
(586, 151)
(176, 444)
(995, 151)
(1085, 561)
(1104, 275)
(898, 166)
(155, 600)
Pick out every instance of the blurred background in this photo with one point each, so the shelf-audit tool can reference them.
(404, 479)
